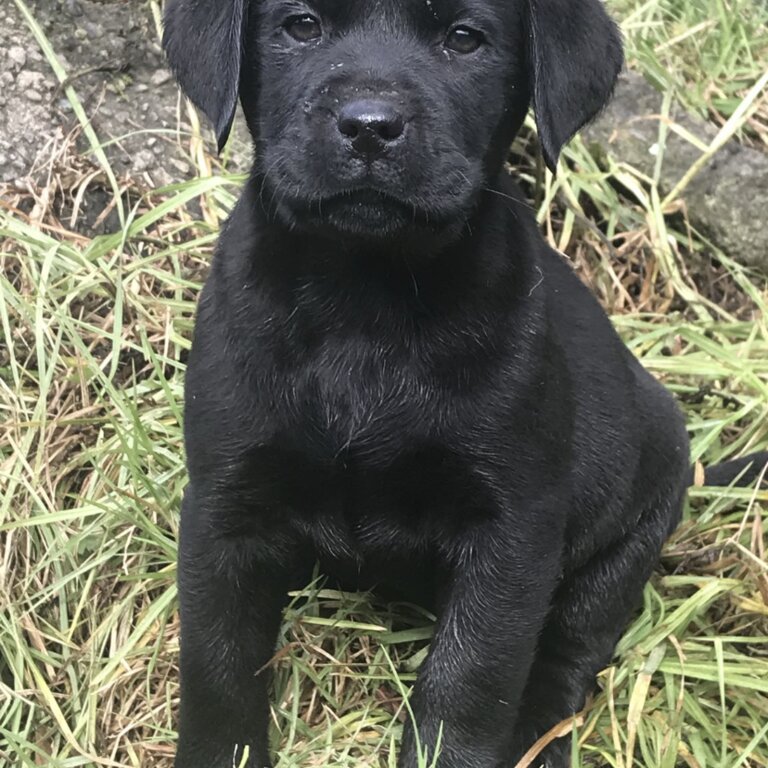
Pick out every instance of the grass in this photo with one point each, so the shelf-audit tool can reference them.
(95, 331)
(707, 53)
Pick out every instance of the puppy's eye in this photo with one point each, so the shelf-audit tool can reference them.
(464, 40)
(304, 28)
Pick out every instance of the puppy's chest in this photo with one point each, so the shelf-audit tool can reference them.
(355, 508)
(364, 457)
(367, 454)
(358, 405)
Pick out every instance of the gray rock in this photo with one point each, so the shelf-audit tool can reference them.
(29, 79)
(143, 161)
(727, 200)
(17, 55)
(180, 166)
(160, 77)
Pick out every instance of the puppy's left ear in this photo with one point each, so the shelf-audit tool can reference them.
(203, 40)
(574, 57)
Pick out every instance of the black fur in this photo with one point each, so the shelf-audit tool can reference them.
(575, 56)
(392, 372)
(203, 40)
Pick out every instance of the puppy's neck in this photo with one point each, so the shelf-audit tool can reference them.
(460, 252)
(279, 283)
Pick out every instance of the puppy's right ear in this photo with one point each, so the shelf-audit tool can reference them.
(575, 55)
(203, 40)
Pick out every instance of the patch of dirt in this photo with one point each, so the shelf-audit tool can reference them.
(111, 53)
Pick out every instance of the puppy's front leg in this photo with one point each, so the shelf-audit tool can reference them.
(232, 589)
(499, 584)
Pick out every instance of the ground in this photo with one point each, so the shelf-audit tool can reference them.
(108, 213)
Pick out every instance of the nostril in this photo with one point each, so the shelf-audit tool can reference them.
(349, 126)
(391, 128)
(370, 124)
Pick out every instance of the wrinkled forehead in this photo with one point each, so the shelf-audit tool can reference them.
(423, 14)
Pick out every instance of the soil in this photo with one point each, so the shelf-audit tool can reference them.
(111, 53)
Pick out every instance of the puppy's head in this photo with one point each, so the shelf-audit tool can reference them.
(378, 118)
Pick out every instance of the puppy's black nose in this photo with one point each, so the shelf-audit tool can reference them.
(370, 125)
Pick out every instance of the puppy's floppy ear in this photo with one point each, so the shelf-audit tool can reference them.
(203, 40)
(574, 57)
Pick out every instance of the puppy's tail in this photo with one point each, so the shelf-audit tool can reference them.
(741, 472)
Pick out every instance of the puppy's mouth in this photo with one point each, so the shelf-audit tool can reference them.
(364, 212)
(370, 208)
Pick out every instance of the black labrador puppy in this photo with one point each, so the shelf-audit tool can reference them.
(393, 374)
